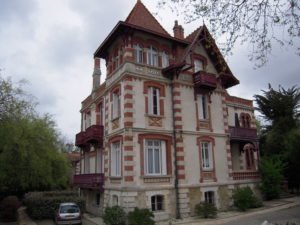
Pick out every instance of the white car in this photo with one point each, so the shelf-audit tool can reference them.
(68, 213)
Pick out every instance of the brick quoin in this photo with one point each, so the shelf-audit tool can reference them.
(181, 176)
(128, 168)
(128, 138)
(128, 105)
(128, 96)
(128, 87)
(128, 148)
(180, 158)
(128, 178)
(180, 167)
(128, 158)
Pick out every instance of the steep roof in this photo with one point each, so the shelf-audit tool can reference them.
(141, 17)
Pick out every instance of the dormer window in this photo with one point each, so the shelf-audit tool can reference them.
(165, 59)
(138, 53)
(198, 65)
(152, 56)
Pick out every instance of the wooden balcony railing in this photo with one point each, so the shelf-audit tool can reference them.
(245, 175)
(93, 134)
(91, 181)
(205, 80)
(241, 133)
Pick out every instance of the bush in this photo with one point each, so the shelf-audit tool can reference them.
(114, 216)
(206, 210)
(141, 217)
(8, 209)
(42, 205)
(271, 170)
(244, 198)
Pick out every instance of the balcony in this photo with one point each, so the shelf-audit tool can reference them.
(205, 80)
(93, 134)
(80, 139)
(245, 175)
(241, 133)
(90, 181)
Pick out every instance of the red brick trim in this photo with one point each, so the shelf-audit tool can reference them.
(160, 86)
(167, 139)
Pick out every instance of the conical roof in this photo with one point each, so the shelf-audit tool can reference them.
(141, 17)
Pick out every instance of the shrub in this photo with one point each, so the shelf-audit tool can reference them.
(42, 206)
(206, 210)
(8, 209)
(114, 216)
(244, 198)
(271, 169)
(141, 217)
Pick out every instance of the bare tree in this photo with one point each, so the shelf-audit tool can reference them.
(261, 23)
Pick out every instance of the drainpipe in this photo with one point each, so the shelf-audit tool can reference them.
(175, 154)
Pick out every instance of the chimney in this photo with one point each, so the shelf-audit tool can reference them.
(96, 74)
(178, 31)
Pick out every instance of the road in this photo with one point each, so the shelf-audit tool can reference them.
(280, 217)
(50, 222)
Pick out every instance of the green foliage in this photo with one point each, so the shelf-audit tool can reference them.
(29, 145)
(141, 217)
(114, 216)
(8, 209)
(206, 210)
(271, 169)
(42, 205)
(281, 137)
(244, 198)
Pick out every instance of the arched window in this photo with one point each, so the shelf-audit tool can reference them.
(249, 156)
(152, 56)
(157, 203)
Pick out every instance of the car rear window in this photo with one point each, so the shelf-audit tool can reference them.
(69, 209)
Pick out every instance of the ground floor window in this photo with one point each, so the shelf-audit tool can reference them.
(157, 202)
(98, 199)
(209, 197)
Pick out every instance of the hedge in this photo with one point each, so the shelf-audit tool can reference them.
(42, 205)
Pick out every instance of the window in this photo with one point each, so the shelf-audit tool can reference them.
(115, 200)
(209, 197)
(115, 105)
(88, 120)
(101, 114)
(97, 199)
(115, 159)
(165, 59)
(157, 203)
(249, 154)
(206, 155)
(155, 157)
(152, 58)
(153, 101)
(198, 65)
(138, 53)
(202, 106)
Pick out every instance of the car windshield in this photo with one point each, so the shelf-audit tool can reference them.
(69, 209)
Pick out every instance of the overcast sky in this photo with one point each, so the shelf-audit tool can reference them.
(50, 43)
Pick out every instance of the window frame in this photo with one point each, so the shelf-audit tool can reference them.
(152, 56)
(165, 59)
(202, 105)
(206, 155)
(161, 150)
(116, 105)
(154, 101)
(138, 53)
(156, 205)
(116, 159)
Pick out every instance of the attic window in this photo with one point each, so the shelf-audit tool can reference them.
(198, 65)
(152, 56)
(138, 53)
